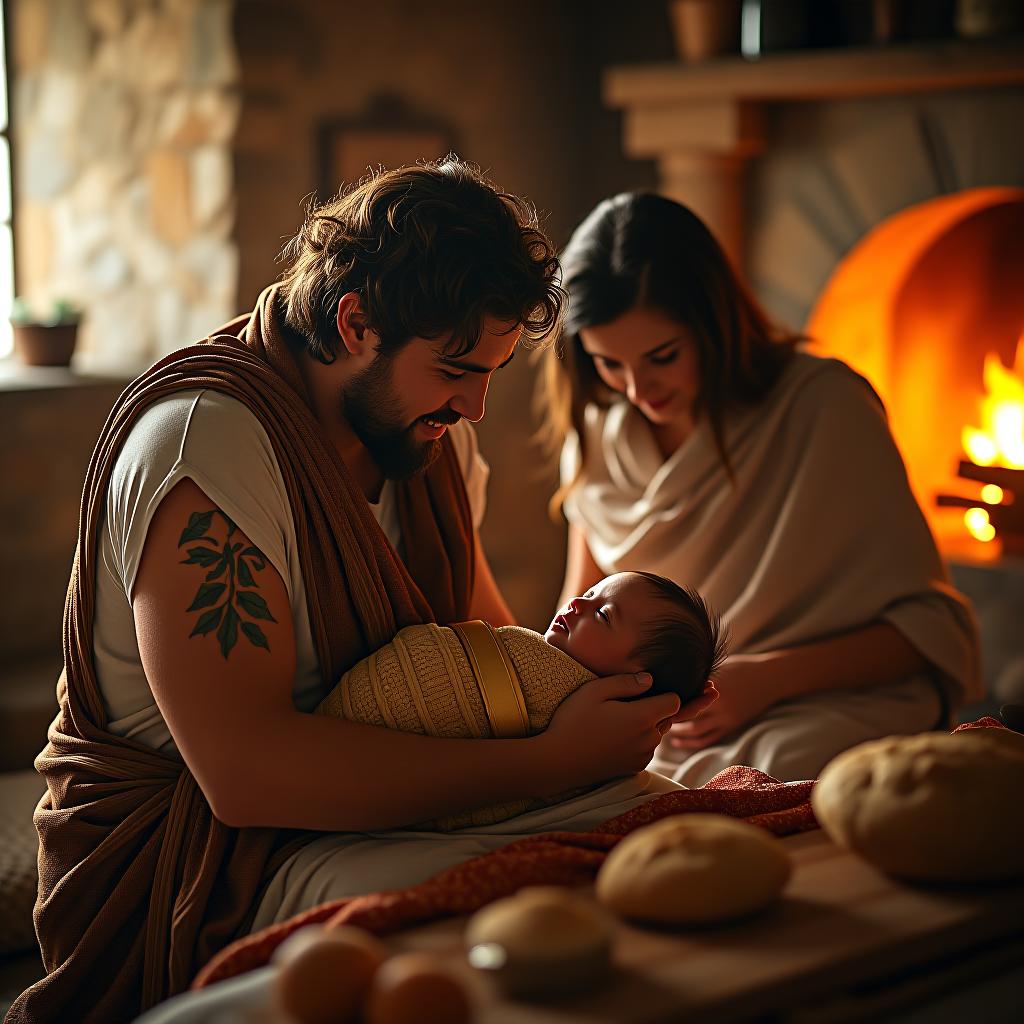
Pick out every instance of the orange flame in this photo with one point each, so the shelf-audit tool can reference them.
(1000, 441)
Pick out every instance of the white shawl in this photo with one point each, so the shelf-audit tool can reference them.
(818, 535)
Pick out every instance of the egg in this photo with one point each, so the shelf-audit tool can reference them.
(416, 988)
(324, 973)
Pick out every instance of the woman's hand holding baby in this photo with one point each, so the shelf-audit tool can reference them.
(598, 734)
(743, 694)
(692, 708)
(752, 683)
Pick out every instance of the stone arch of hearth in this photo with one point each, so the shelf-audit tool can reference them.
(830, 173)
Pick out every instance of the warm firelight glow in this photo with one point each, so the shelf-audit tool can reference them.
(992, 493)
(1000, 440)
(915, 307)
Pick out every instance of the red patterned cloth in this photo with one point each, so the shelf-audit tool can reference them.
(550, 858)
(988, 722)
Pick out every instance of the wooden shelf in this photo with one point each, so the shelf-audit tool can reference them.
(822, 74)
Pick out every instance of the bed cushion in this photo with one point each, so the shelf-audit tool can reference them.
(19, 794)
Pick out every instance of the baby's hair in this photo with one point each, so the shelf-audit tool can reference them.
(683, 648)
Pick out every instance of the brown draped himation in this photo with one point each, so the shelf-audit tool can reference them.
(139, 885)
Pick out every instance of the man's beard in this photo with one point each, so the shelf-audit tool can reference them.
(372, 408)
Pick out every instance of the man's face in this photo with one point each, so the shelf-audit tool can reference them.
(400, 405)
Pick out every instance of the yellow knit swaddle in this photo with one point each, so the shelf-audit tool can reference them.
(424, 682)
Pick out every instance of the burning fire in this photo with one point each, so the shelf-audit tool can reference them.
(1000, 440)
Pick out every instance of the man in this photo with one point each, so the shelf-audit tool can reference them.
(263, 510)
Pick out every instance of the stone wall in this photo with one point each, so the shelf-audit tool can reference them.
(47, 462)
(122, 120)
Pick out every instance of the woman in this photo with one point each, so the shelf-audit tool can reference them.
(700, 443)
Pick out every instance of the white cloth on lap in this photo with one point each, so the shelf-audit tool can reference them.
(350, 864)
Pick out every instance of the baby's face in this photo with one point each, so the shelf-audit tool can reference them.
(601, 628)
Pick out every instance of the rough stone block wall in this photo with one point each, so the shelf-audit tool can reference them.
(123, 116)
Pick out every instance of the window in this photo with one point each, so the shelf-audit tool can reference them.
(6, 235)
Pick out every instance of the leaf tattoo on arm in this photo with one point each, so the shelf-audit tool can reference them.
(228, 569)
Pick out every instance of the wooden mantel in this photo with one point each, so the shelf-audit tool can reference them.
(701, 122)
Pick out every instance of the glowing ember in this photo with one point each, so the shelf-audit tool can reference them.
(978, 525)
(1000, 441)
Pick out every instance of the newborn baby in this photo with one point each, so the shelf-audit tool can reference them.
(471, 680)
(639, 622)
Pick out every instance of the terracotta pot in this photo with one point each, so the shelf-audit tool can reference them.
(705, 28)
(43, 345)
(987, 19)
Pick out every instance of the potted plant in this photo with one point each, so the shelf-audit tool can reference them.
(47, 338)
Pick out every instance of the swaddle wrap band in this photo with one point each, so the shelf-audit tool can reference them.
(409, 673)
(497, 678)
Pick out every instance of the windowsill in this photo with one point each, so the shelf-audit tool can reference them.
(16, 376)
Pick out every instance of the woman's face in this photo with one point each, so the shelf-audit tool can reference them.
(649, 357)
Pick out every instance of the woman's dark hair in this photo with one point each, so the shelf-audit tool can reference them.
(431, 249)
(683, 648)
(641, 249)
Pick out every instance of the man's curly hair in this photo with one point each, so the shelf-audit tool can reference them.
(431, 249)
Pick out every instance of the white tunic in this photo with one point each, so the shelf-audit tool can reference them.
(817, 534)
(216, 442)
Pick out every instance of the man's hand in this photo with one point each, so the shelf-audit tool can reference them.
(597, 734)
(744, 692)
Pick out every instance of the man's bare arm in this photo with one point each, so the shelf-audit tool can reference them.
(226, 696)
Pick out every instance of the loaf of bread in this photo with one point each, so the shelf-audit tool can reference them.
(693, 869)
(934, 807)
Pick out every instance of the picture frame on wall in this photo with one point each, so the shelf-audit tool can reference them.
(388, 134)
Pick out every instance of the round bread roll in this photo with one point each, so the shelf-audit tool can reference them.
(543, 941)
(693, 869)
(1011, 742)
(934, 807)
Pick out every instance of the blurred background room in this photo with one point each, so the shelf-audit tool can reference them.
(862, 162)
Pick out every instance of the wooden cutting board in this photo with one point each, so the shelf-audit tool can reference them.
(840, 924)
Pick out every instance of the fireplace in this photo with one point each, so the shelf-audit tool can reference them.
(879, 208)
(929, 306)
